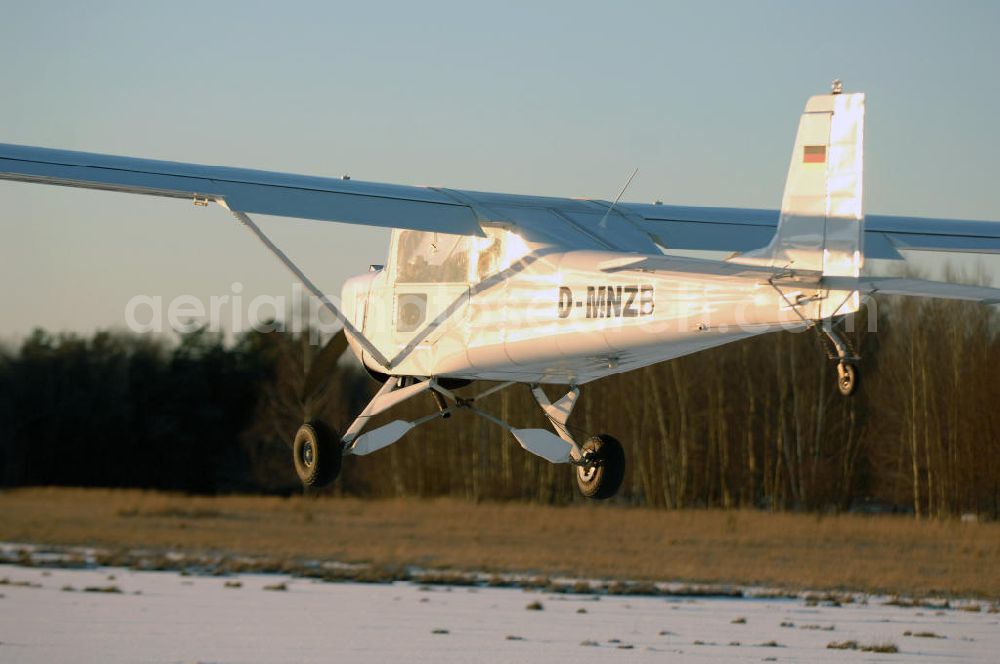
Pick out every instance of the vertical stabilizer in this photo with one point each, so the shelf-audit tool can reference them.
(822, 217)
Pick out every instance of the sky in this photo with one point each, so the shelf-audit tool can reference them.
(559, 98)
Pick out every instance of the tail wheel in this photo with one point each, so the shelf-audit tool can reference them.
(317, 454)
(847, 378)
(602, 478)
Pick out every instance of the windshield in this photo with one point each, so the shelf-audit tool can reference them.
(423, 257)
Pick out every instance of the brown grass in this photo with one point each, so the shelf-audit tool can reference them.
(881, 647)
(892, 555)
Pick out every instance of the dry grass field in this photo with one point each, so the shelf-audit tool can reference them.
(879, 554)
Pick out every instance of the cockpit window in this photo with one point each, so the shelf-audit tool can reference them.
(435, 258)
(498, 251)
(423, 257)
(490, 259)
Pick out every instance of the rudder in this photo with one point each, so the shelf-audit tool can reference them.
(821, 227)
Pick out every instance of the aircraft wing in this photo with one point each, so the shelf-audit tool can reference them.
(245, 190)
(569, 222)
(561, 221)
(706, 228)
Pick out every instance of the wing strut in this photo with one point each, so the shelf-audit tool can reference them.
(299, 274)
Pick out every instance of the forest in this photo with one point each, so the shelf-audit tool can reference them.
(754, 424)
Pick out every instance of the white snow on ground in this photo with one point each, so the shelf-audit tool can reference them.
(166, 617)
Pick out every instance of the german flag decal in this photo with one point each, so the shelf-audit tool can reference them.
(814, 154)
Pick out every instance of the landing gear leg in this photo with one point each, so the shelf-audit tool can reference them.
(318, 450)
(599, 464)
(838, 349)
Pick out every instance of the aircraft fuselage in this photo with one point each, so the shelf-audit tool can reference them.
(560, 317)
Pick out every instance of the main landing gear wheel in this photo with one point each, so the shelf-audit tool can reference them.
(847, 378)
(317, 455)
(602, 478)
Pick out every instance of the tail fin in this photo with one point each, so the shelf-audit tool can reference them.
(822, 217)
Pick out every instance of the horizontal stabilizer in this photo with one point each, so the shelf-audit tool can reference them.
(684, 265)
(743, 229)
(915, 287)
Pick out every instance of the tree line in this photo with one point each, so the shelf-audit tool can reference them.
(756, 424)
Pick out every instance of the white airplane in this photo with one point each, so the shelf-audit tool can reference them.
(533, 290)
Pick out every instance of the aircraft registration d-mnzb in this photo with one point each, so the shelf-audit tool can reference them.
(532, 290)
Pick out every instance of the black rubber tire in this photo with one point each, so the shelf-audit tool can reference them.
(847, 380)
(317, 454)
(603, 480)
